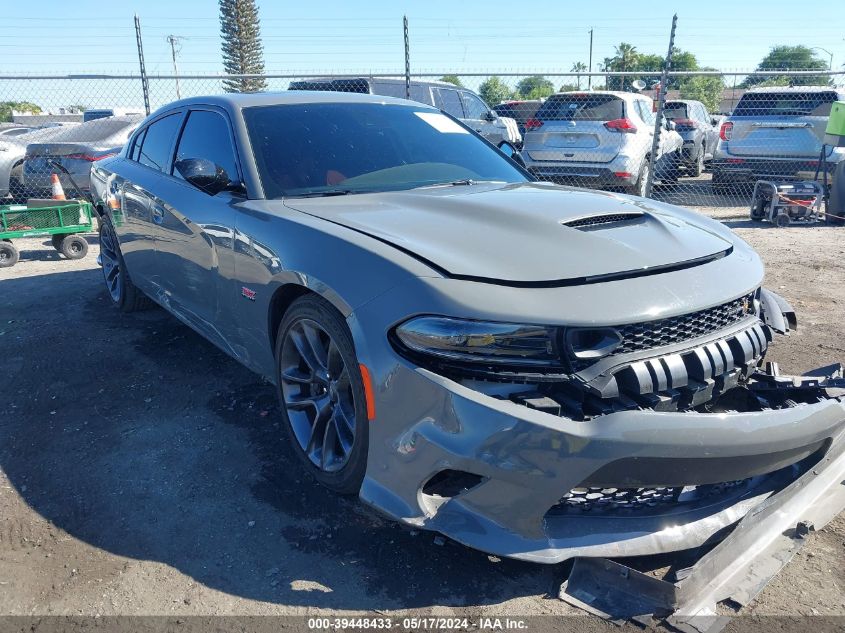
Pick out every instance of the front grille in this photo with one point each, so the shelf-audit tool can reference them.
(602, 219)
(643, 501)
(652, 334)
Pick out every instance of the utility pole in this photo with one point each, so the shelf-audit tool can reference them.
(661, 98)
(174, 40)
(145, 85)
(407, 58)
(590, 69)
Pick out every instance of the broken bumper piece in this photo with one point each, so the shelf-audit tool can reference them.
(736, 569)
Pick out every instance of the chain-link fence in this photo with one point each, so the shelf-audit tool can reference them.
(718, 133)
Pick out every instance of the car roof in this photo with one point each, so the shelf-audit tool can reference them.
(794, 89)
(247, 100)
(615, 93)
(414, 82)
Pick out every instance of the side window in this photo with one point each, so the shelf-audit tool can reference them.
(206, 135)
(645, 111)
(450, 101)
(422, 94)
(475, 107)
(136, 148)
(158, 141)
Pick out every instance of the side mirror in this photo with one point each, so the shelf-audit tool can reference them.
(714, 121)
(490, 116)
(203, 174)
(510, 151)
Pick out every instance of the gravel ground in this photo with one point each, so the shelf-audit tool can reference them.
(142, 471)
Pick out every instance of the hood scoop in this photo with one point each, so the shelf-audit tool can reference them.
(605, 218)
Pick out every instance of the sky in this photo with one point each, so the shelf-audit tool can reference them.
(334, 36)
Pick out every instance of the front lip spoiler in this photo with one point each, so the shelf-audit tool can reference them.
(738, 568)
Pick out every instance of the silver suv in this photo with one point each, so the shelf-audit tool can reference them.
(461, 103)
(599, 139)
(775, 133)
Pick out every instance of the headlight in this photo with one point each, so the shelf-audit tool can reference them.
(481, 342)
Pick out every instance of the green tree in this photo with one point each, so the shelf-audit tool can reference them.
(535, 87)
(569, 88)
(705, 88)
(494, 91)
(243, 53)
(578, 67)
(7, 107)
(790, 58)
(624, 60)
(452, 79)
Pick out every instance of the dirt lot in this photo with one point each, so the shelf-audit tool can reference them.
(142, 471)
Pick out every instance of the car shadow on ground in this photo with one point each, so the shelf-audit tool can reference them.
(152, 444)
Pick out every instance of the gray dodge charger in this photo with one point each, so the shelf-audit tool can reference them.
(537, 371)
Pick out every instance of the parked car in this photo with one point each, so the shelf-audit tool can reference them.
(599, 139)
(519, 111)
(461, 103)
(11, 132)
(75, 149)
(698, 129)
(12, 151)
(470, 352)
(775, 133)
(93, 114)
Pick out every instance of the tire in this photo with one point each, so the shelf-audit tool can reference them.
(73, 246)
(57, 241)
(638, 188)
(312, 390)
(122, 292)
(16, 187)
(9, 255)
(782, 220)
(698, 166)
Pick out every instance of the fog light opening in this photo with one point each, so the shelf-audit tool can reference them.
(451, 483)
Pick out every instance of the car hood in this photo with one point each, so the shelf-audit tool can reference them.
(526, 233)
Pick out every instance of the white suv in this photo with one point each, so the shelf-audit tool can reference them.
(599, 139)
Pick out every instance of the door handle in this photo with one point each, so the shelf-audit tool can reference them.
(158, 214)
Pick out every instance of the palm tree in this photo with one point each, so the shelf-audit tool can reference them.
(578, 67)
(626, 57)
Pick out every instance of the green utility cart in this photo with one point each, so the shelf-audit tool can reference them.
(61, 219)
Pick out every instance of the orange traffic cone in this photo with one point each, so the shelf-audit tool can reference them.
(58, 192)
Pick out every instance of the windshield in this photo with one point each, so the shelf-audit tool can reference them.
(581, 107)
(785, 104)
(342, 148)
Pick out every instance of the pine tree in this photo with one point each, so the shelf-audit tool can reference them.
(243, 53)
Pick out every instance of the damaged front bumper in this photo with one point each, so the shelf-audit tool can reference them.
(735, 570)
(495, 475)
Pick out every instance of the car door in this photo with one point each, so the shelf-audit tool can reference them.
(133, 222)
(475, 116)
(195, 230)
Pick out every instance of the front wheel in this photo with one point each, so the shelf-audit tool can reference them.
(322, 394)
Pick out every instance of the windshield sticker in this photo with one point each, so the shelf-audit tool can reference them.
(441, 123)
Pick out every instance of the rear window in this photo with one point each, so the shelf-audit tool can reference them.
(581, 107)
(334, 85)
(93, 131)
(785, 104)
(675, 111)
(519, 111)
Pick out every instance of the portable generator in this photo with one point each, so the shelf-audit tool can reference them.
(782, 203)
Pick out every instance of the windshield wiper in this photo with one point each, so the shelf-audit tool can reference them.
(324, 194)
(457, 183)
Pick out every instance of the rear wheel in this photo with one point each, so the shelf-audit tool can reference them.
(8, 254)
(73, 246)
(123, 293)
(639, 186)
(322, 394)
(698, 165)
